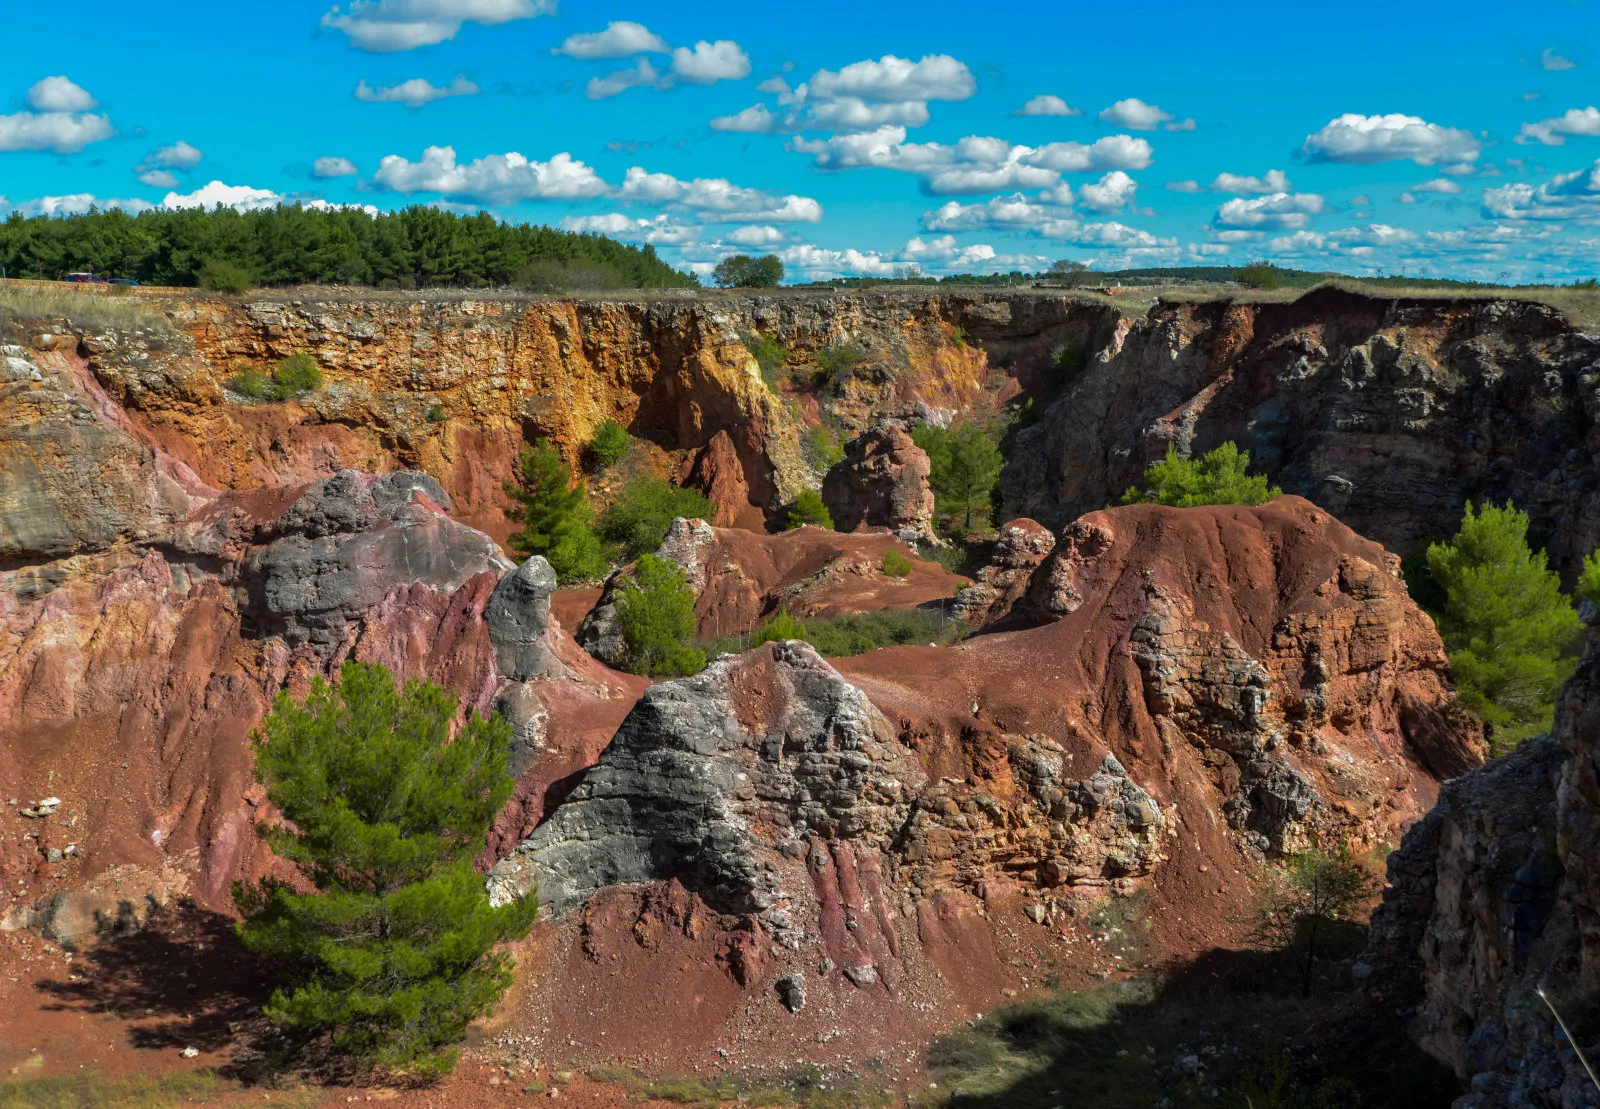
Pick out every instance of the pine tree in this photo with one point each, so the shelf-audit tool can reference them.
(1508, 628)
(655, 611)
(964, 466)
(1220, 476)
(554, 513)
(808, 508)
(393, 955)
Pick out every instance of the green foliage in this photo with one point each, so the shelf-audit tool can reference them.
(609, 444)
(1068, 361)
(740, 271)
(1507, 626)
(1219, 477)
(639, 519)
(1589, 578)
(293, 376)
(222, 276)
(965, 463)
(393, 955)
(819, 446)
(1314, 909)
(296, 375)
(853, 633)
(771, 355)
(1258, 275)
(836, 363)
(895, 564)
(655, 612)
(416, 247)
(91, 1090)
(436, 413)
(808, 509)
(554, 513)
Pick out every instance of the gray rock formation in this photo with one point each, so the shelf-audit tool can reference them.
(1493, 900)
(1003, 580)
(882, 482)
(347, 542)
(518, 616)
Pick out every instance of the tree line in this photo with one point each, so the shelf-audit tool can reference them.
(415, 247)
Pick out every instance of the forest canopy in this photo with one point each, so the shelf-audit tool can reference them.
(414, 247)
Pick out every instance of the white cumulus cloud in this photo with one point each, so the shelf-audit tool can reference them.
(1554, 132)
(494, 179)
(1046, 105)
(1111, 193)
(1442, 185)
(622, 38)
(59, 94)
(415, 92)
(1365, 140)
(934, 77)
(709, 62)
(1276, 212)
(1273, 181)
(242, 197)
(621, 80)
(1112, 152)
(717, 200)
(73, 204)
(1550, 60)
(386, 26)
(756, 235)
(1567, 196)
(333, 167)
(1184, 187)
(1136, 115)
(754, 120)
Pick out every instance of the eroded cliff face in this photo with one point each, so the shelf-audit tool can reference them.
(1493, 901)
(1389, 413)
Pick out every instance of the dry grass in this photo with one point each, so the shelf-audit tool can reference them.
(85, 310)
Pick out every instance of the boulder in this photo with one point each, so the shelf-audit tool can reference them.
(882, 482)
(1003, 580)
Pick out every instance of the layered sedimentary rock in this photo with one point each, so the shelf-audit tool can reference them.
(1493, 905)
(1390, 413)
(1004, 579)
(740, 578)
(882, 482)
(140, 647)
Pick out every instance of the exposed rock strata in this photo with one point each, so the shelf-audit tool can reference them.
(1390, 413)
(1003, 581)
(1494, 897)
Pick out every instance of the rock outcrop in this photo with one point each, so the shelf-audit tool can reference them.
(882, 482)
(1388, 412)
(741, 577)
(1493, 906)
(1003, 581)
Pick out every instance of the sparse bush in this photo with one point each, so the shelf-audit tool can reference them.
(1219, 477)
(1589, 579)
(639, 519)
(554, 513)
(819, 446)
(965, 465)
(836, 363)
(779, 627)
(392, 956)
(248, 383)
(1068, 361)
(222, 276)
(853, 633)
(808, 509)
(296, 375)
(655, 612)
(1508, 628)
(436, 413)
(770, 355)
(609, 444)
(1318, 900)
(895, 564)
(551, 276)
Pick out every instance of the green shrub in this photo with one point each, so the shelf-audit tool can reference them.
(1068, 361)
(637, 522)
(296, 375)
(836, 363)
(609, 444)
(808, 509)
(1508, 628)
(554, 513)
(436, 413)
(222, 276)
(1219, 477)
(770, 355)
(895, 564)
(248, 383)
(965, 465)
(1589, 579)
(655, 612)
(1319, 899)
(853, 633)
(549, 275)
(392, 956)
(820, 448)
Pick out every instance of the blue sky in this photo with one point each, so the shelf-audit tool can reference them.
(1454, 140)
